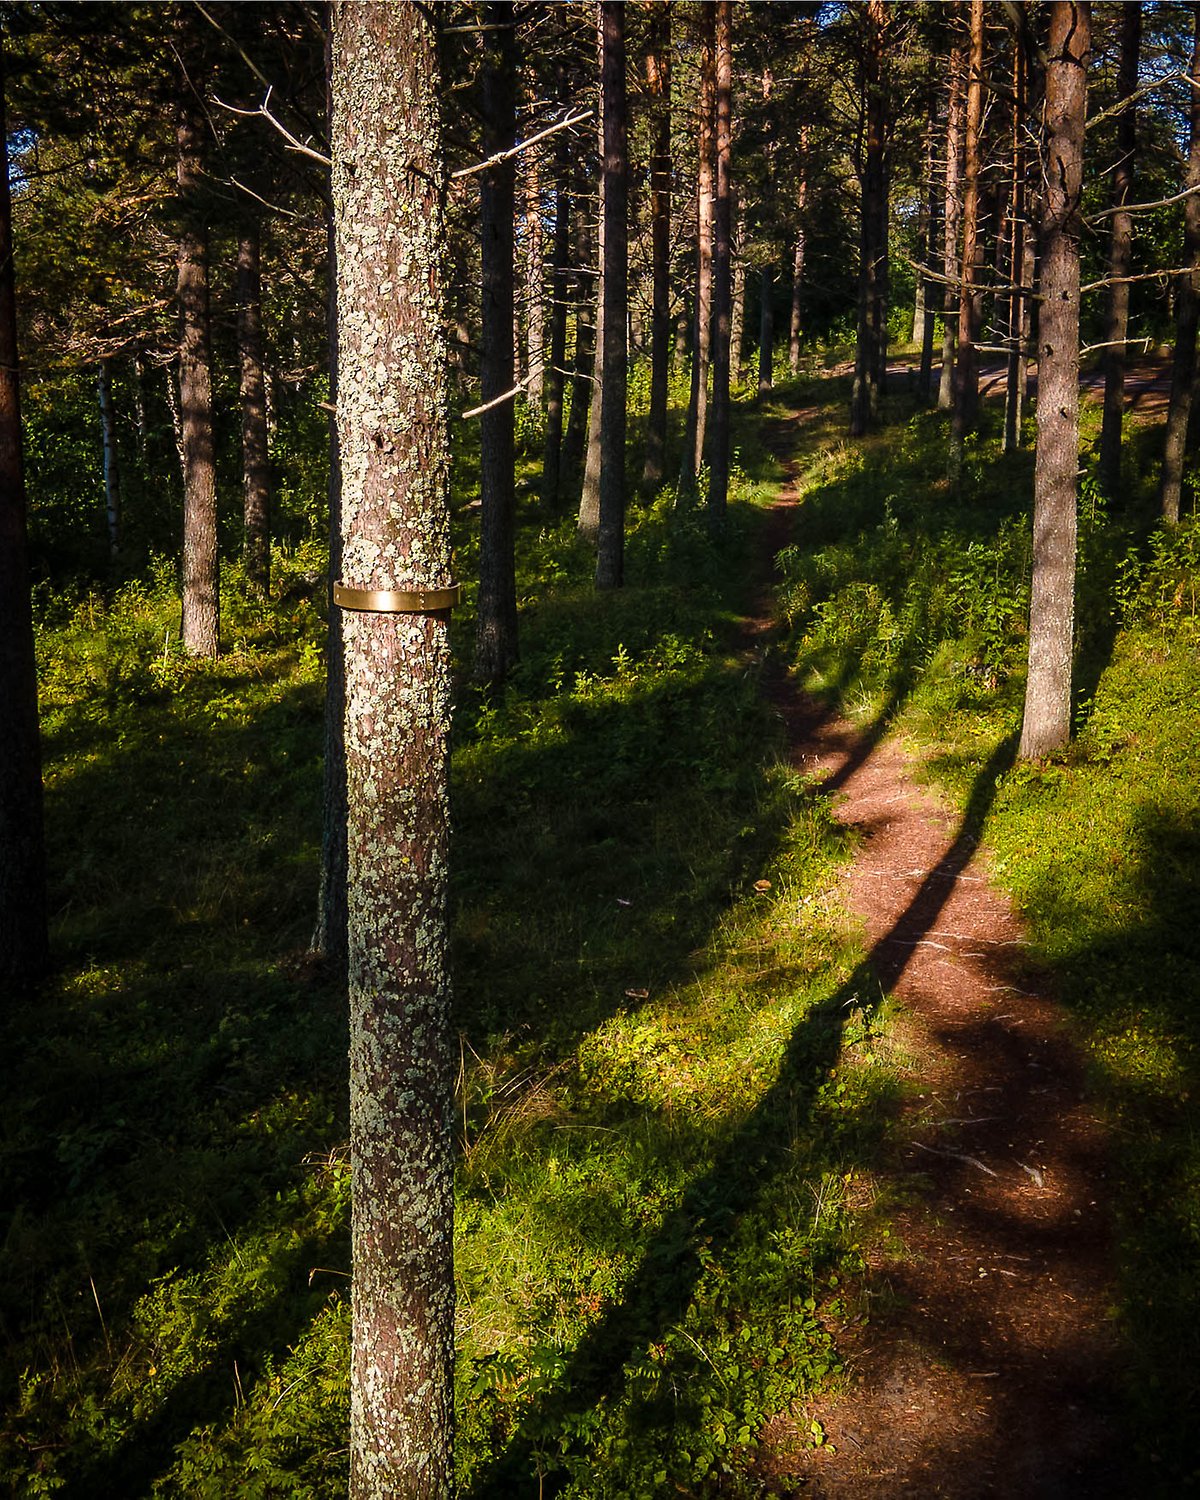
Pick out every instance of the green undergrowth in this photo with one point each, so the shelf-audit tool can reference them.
(909, 604)
(673, 1074)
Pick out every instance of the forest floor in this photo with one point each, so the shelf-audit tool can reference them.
(987, 1366)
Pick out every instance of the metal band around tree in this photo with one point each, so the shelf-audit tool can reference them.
(398, 601)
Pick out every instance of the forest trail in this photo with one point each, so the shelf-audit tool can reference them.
(987, 1364)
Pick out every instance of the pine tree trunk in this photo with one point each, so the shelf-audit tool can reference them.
(139, 403)
(552, 449)
(1047, 720)
(24, 946)
(718, 489)
(1014, 384)
(658, 83)
(496, 607)
(1187, 314)
(586, 288)
(112, 467)
(256, 467)
(966, 378)
(950, 222)
(201, 600)
(588, 522)
(864, 400)
(697, 419)
(931, 298)
(766, 329)
(1120, 254)
(535, 314)
(387, 170)
(796, 325)
(737, 315)
(610, 553)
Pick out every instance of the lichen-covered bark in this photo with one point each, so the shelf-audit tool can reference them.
(1047, 720)
(24, 952)
(201, 601)
(256, 470)
(391, 413)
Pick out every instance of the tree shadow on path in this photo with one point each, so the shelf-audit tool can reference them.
(659, 1291)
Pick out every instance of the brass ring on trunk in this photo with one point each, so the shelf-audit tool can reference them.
(398, 601)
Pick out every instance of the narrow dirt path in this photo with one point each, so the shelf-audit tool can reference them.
(986, 1367)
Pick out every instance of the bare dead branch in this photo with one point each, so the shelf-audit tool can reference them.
(482, 166)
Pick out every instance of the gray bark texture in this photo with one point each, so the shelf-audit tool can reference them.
(1014, 384)
(1187, 314)
(24, 948)
(387, 185)
(1120, 254)
(201, 599)
(1047, 721)
(256, 463)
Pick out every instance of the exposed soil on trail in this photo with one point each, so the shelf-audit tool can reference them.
(987, 1364)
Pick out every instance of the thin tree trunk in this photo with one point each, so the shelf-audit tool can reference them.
(766, 329)
(112, 467)
(139, 403)
(24, 945)
(796, 325)
(658, 82)
(610, 551)
(737, 314)
(1187, 312)
(588, 523)
(535, 311)
(256, 467)
(387, 168)
(1120, 255)
(966, 378)
(201, 599)
(1014, 385)
(950, 222)
(931, 298)
(496, 609)
(693, 454)
(586, 288)
(552, 450)
(864, 400)
(1047, 719)
(718, 490)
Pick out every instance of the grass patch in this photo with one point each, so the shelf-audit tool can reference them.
(669, 1096)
